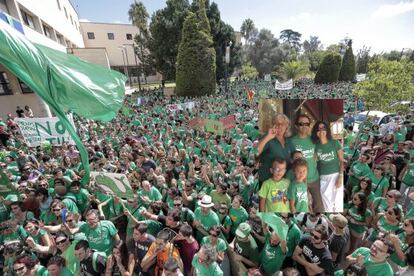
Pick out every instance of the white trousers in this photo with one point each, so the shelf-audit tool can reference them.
(332, 197)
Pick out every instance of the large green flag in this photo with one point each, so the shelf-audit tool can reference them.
(65, 82)
(276, 223)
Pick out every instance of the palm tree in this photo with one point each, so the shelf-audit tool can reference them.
(138, 15)
(247, 29)
(294, 69)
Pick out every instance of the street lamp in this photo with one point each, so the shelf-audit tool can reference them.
(227, 62)
(122, 48)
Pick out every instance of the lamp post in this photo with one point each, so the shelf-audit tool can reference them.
(227, 62)
(136, 64)
(127, 64)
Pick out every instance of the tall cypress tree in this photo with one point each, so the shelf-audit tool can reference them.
(329, 69)
(348, 69)
(196, 59)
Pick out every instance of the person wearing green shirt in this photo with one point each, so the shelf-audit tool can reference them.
(274, 145)
(380, 183)
(25, 265)
(358, 170)
(387, 222)
(245, 247)
(374, 259)
(365, 186)
(67, 249)
(81, 195)
(298, 190)
(294, 235)
(204, 262)
(407, 182)
(148, 193)
(302, 142)
(100, 234)
(221, 247)
(204, 217)
(273, 254)
(219, 195)
(391, 199)
(331, 165)
(273, 193)
(56, 266)
(237, 213)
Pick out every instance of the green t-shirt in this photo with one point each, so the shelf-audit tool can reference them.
(4, 213)
(307, 147)
(41, 271)
(403, 244)
(221, 245)
(206, 221)
(371, 195)
(154, 194)
(328, 157)
(293, 237)
(220, 198)
(359, 169)
(82, 199)
(275, 193)
(353, 212)
(379, 185)
(100, 238)
(271, 257)
(384, 227)
(298, 191)
(212, 270)
(237, 216)
(408, 179)
(373, 268)
(247, 249)
(153, 226)
(19, 234)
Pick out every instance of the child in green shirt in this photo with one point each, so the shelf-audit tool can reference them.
(298, 190)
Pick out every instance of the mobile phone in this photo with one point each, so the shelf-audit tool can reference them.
(63, 213)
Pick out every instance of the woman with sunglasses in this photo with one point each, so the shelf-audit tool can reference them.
(380, 183)
(391, 199)
(38, 240)
(120, 263)
(390, 170)
(221, 247)
(402, 241)
(359, 217)
(331, 165)
(388, 222)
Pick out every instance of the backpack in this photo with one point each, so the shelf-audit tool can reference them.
(305, 219)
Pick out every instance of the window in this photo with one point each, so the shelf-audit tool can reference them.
(4, 84)
(60, 39)
(71, 19)
(111, 36)
(58, 4)
(129, 36)
(47, 31)
(24, 87)
(66, 13)
(28, 19)
(3, 6)
(91, 35)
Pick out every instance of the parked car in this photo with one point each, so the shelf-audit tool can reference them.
(377, 117)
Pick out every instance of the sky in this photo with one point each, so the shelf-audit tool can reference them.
(379, 24)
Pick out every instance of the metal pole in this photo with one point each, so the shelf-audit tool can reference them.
(123, 59)
(126, 55)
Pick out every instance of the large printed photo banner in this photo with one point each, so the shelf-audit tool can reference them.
(35, 131)
(115, 184)
(181, 106)
(284, 85)
(214, 126)
(229, 122)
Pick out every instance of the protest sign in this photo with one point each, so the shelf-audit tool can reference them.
(361, 77)
(180, 106)
(229, 122)
(214, 126)
(196, 123)
(140, 101)
(113, 184)
(284, 85)
(6, 187)
(37, 130)
(267, 77)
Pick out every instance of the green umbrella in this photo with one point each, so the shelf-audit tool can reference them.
(65, 82)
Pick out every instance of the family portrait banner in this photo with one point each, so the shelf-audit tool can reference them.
(38, 130)
(284, 85)
(196, 123)
(113, 184)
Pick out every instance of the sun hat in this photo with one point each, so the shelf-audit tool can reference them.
(206, 201)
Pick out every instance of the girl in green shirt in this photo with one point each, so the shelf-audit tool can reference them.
(237, 213)
(364, 186)
(387, 222)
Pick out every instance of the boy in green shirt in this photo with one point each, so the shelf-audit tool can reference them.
(298, 190)
(273, 193)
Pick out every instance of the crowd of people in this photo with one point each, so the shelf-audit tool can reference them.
(198, 196)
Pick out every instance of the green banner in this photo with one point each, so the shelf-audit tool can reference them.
(214, 126)
(276, 223)
(113, 184)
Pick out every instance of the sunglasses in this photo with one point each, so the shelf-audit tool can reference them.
(69, 220)
(389, 196)
(19, 269)
(315, 236)
(303, 124)
(177, 204)
(56, 210)
(61, 241)
(214, 235)
(391, 213)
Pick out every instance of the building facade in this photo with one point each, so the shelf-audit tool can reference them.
(52, 23)
(118, 40)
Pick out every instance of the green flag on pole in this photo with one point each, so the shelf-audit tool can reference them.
(276, 223)
(65, 82)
